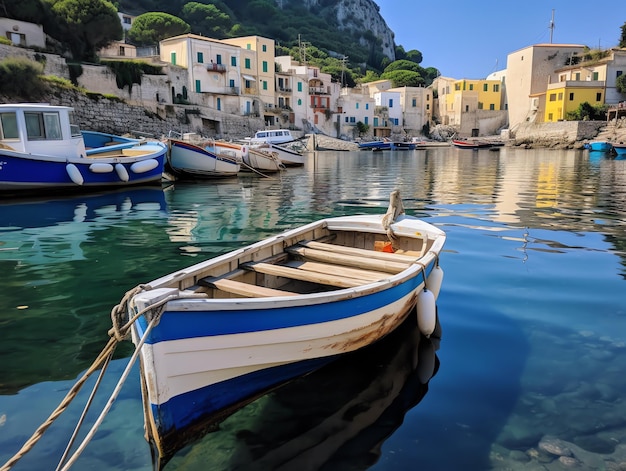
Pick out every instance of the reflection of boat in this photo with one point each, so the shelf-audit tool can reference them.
(190, 160)
(59, 226)
(234, 326)
(620, 149)
(349, 407)
(43, 150)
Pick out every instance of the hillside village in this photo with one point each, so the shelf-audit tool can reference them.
(241, 77)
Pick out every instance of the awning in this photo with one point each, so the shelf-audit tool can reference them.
(249, 77)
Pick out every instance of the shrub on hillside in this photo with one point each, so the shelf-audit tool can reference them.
(21, 77)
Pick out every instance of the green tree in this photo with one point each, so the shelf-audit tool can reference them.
(152, 27)
(207, 19)
(25, 10)
(622, 39)
(586, 111)
(21, 77)
(403, 65)
(620, 84)
(86, 26)
(403, 78)
(414, 56)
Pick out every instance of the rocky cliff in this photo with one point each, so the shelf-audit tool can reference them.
(360, 16)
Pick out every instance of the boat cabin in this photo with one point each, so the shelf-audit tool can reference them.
(273, 136)
(40, 129)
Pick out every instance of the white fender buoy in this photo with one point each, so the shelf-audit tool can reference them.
(426, 361)
(144, 166)
(101, 168)
(74, 174)
(426, 312)
(122, 172)
(435, 279)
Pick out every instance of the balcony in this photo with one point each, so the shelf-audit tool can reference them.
(318, 91)
(221, 68)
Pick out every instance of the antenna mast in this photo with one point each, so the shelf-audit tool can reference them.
(551, 26)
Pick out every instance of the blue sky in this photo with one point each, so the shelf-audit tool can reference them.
(466, 39)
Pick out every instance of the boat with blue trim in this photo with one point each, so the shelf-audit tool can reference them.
(43, 149)
(224, 331)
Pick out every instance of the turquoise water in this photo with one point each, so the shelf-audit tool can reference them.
(531, 360)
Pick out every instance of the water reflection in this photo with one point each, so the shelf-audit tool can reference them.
(332, 418)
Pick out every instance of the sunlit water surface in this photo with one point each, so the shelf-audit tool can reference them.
(529, 372)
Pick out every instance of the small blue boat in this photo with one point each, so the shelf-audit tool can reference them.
(375, 145)
(43, 150)
(599, 146)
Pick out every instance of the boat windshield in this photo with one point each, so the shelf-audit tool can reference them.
(74, 127)
(8, 126)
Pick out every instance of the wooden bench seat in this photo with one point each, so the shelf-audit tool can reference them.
(243, 289)
(304, 275)
(400, 256)
(365, 262)
(338, 270)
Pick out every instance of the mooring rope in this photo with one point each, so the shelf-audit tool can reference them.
(396, 208)
(117, 333)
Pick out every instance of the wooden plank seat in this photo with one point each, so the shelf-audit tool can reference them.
(405, 256)
(304, 275)
(354, 259)
(338, 270)
(248, 290)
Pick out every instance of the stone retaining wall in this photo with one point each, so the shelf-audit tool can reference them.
(563, 134)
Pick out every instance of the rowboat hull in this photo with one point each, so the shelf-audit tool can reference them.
(210, 350)
(600, 146)
(187, 159)
(471, 144)
(288, 157)
(620, 149)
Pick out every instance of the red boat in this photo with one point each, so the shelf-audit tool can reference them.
(472, 144)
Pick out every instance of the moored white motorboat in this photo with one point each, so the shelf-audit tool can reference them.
(43, 150)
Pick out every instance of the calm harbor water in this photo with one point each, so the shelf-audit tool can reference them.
(528, 374)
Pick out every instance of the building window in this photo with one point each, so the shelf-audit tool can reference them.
(367, 106)
(247, 84)
(233, 61)
(466, 108)
(219, 104)
(299, 86)
(198, 87)
(618, 73)
(471, 85)
(122, 51)
(173, 58)
(248, 46)
(552, 96)
(265, 66)
(299, 101)
(492, 107)
(560, 96)
(485, 87)
(232, 83)
(366, 120)
(218, 59)
(427, 106)
(357, 106)
(200, 58)
(375, 122)
(595, 76)
(550, 117)
(496, 87)
(264, 84)
(577, 76)
(599, 97)
(127, 20)
(414, 102)
(571, 96)
(457, 86)
(264, 47)
(247, 63)
(352, 119)
(390, 102)
(347, 119)
(480, 105)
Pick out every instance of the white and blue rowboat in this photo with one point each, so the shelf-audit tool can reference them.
(223, 331)
(190, 160)
(599, 146)
(42, 149)
(288, 157)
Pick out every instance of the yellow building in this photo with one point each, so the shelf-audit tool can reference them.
(474, 107)
(576, 85)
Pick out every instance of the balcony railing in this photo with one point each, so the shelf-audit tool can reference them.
(215, 67)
